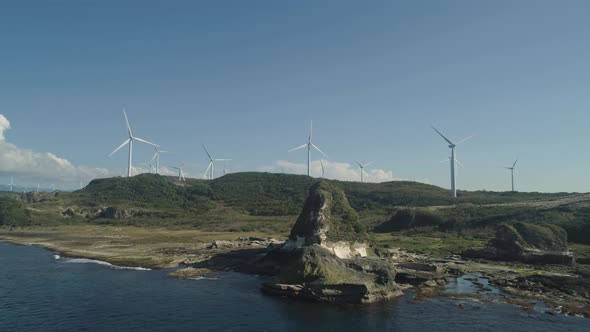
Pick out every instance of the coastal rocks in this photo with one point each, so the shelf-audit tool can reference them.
(529, 243)
(328, 220)
(113, 212)
(324, 259)
(317, 274)
(190, 273)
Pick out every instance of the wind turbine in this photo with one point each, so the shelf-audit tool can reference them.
(452, 159)
(11, 185)
(512, 172)
(225, 171)
(181, 177)
(156, 157)
(38, 187)
(362, 167)
(323, 169)
(309, 145)
(130, 142)
(211, 162)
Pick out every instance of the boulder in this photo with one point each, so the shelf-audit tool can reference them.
(315, 273)
(113, 212)
(529, 243)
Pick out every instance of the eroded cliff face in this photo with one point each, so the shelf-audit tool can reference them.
(328, 220)
(325, 257)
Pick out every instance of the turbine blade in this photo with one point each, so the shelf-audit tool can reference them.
(299, 147)
(367, 164)
(458, 162)
(207, 152)
(221, 159)
(121, 146)
(127, 122)
(443, 136)
(465, 139)
(360, 165)
(515, 163)
(144, 141)
(320, 151)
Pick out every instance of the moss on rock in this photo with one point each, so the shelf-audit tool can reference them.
(327, 215)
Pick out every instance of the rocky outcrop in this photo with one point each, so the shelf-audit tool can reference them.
(113, 212)
(529, 243)
(315, 273)
(328, 220)
(325, 257)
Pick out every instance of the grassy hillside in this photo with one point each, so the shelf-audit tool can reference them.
(250, 201)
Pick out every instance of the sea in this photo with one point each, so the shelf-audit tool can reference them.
(41, 291)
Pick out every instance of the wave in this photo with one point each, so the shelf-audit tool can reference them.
(202, 278)
(103, 263)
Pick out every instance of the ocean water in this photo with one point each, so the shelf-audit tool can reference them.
(40, 291)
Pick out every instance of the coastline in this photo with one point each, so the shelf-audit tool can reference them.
(166, 249)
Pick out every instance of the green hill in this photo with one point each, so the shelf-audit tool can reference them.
(250, 200)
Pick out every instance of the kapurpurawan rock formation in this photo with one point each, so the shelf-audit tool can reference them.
(325, 258)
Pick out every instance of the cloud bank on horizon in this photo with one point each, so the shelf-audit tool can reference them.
(41, 166)
(333, 170)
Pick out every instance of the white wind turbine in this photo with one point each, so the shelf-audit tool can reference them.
(181, 177)
(453, 160)
(11, 185)
(211, 163)
(309, 145)
(362, 167)
(225, 170)
(130, 142)
(323, 169)
(512, 172)
(156, 157)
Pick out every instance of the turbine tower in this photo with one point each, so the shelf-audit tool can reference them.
(323, 169)
(362, 167)
(156, 157)
(452, 159)
(181, 177)
(11, 185)
(211, 163)
(130, 142)
(512, 172)
(309, 145)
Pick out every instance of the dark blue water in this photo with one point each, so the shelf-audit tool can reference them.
(40, 293)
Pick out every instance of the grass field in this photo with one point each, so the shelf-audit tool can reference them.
(153, 247)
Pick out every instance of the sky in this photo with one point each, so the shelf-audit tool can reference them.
(245, 78)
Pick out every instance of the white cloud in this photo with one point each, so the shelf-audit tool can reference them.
(333, 170)
(41, 166)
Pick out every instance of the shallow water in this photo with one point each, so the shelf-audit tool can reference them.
(41, 292)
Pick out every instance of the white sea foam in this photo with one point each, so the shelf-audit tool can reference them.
(107, 264)
(202, 278)
(56, 257)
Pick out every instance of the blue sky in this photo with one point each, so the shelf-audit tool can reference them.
(246, 77)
